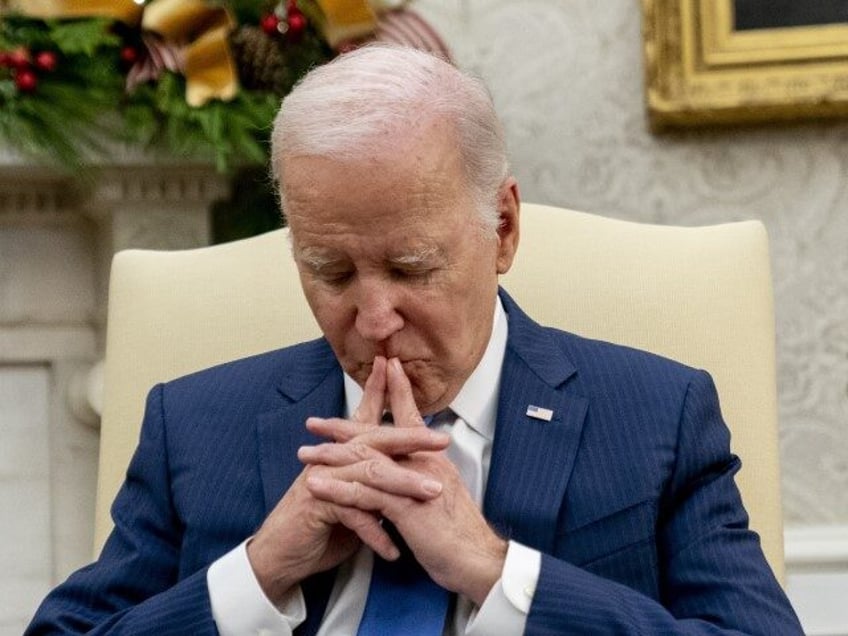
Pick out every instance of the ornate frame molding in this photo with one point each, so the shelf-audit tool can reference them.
(701, 71)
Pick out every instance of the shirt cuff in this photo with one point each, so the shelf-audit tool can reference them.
(505, 609)
(240, 607)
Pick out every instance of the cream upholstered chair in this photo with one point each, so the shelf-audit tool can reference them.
(700, 295)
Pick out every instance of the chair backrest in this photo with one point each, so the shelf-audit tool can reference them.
(700, 295)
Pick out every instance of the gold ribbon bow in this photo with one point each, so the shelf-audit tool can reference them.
(343, 20)
(210, 70)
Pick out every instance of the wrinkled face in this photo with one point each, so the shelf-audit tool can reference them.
(393, 262)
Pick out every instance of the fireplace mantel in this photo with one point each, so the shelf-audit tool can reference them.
(58, 232)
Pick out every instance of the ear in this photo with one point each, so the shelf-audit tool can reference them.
(509, 205)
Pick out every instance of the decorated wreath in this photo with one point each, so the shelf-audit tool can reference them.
(192, 78)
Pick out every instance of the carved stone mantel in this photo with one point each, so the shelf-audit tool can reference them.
(136, 203)
(58, 232)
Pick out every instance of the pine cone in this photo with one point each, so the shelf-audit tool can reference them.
(260, 60)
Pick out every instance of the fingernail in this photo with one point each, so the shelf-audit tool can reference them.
(431, 487)
(304, 452)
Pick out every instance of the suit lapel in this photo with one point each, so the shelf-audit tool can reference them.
(532, 459)
(312, 386)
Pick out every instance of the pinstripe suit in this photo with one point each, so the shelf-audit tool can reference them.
(628, 492)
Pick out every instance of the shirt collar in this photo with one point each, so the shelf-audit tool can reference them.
(477, 401)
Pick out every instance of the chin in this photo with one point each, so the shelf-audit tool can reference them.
(432, 399)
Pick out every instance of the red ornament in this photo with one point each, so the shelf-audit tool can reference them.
(26, 81)
(129, 55)
(46, 61)
(270, 24)
(297, 25)
(19, 59)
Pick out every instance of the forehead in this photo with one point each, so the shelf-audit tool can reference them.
(407, 190)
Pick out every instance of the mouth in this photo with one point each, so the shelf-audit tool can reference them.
(410, 366)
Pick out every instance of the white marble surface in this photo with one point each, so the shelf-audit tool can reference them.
(46, 274)
(567, 78)
(25, 543)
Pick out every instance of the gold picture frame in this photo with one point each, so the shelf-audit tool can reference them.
(700, 70)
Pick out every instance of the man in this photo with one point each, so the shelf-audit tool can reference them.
(267, 497)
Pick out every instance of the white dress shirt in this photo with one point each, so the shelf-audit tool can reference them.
(239, 606)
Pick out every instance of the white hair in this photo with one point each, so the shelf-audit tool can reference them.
(372, 94)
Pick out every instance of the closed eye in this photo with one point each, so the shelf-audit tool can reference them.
(416, 275)
(337, 279)
(331, 276)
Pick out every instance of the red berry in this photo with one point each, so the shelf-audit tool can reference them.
(19, 59)
(46, 61)
(270, 24)
(129, 55)
(297, 25)
(26, 81)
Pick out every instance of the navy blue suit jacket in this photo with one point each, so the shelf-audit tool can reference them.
(628, 492)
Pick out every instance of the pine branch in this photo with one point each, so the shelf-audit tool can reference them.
(76, 111)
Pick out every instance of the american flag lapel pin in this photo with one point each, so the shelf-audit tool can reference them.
(539, 413)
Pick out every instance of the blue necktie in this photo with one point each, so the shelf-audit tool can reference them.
(402, 598)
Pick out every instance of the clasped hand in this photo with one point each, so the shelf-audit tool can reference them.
(369, 472)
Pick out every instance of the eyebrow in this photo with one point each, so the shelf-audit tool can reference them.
(315, 259)
(318, 259)
(416, 258)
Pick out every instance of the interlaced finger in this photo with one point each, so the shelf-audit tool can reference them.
(372, 405)
(381, 475)
(366, 525)
(401, 398)
(375, 444)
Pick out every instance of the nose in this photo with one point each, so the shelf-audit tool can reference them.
(377, 315)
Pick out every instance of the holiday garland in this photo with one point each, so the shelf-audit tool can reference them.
(194, 78)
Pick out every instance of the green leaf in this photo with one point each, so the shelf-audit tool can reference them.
(83, 36)
(7, 89)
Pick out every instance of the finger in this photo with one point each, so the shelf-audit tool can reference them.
(370, 409)
(401, 399)
(367, 527)
(384, 441)
(336, 428)
(381, 475)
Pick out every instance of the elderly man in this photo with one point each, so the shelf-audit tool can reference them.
(532, 481)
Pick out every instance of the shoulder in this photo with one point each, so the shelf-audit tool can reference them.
(592, 359)
(599, 359)
(625, 380)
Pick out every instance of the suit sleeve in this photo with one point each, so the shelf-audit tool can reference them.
(135, 586)
(713, 576)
